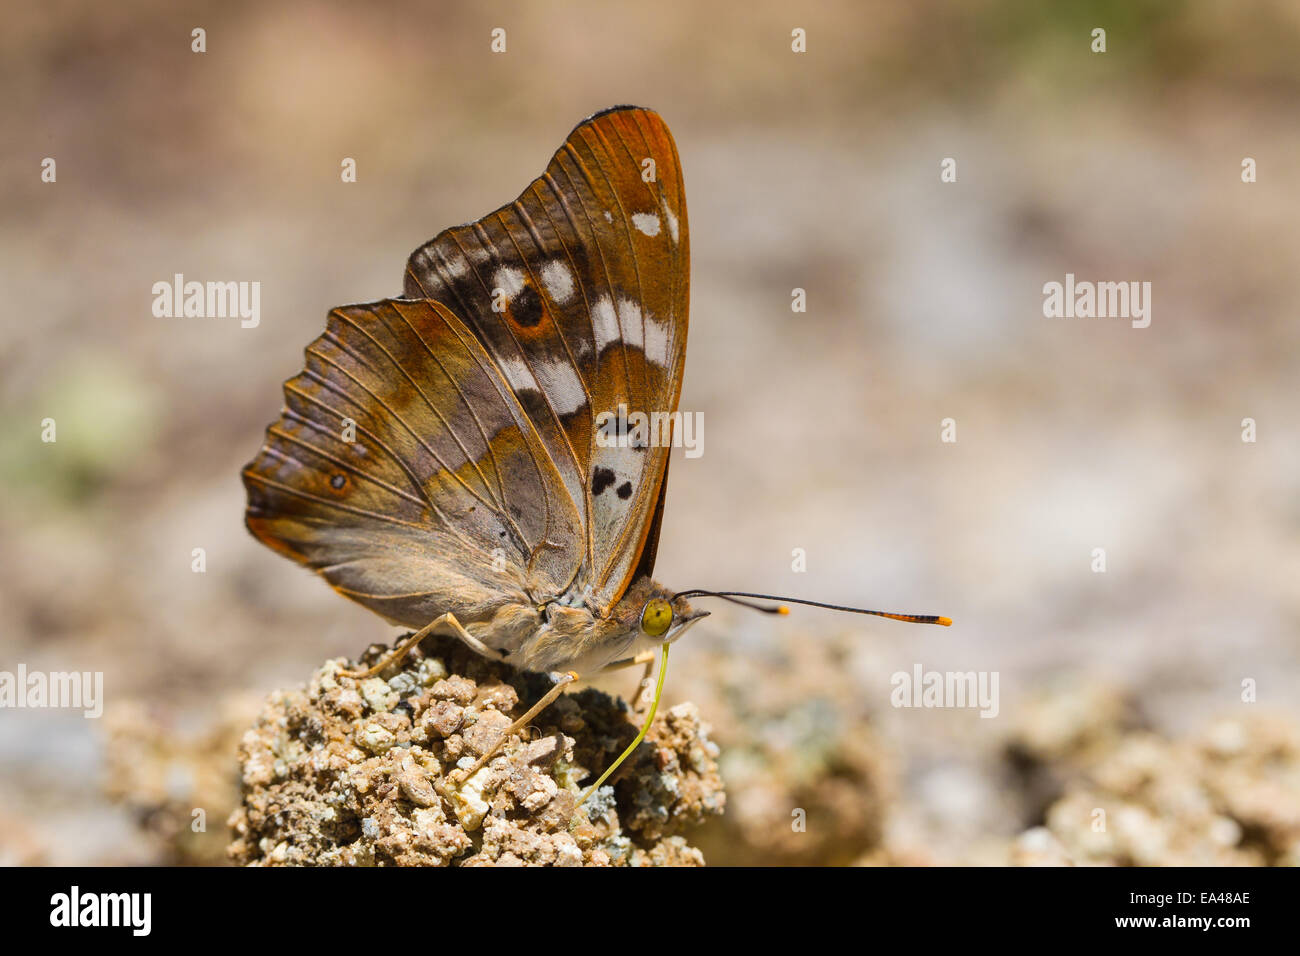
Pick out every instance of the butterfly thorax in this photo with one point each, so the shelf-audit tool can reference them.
(578, 637)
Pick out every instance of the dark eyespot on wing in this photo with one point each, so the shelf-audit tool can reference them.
(625, 490)
(526, 308)
(601, 479)
(338, 481)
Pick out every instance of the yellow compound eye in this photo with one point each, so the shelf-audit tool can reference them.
(657, 617)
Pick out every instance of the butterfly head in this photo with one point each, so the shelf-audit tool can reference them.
(654, 614)
(665, 619)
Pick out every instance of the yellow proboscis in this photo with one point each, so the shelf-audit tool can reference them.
(654, 706)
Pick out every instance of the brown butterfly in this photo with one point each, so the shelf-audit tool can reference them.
(437, 460)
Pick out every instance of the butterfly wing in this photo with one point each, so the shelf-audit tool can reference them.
(405, 471)
(578, 290)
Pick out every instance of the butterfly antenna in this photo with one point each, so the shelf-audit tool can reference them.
(735, 597)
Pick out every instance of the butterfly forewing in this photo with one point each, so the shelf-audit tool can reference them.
(578, 290)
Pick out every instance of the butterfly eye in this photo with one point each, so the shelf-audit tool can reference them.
(657, 617)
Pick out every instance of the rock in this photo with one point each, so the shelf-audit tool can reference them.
(354, 773)
(1226, 797)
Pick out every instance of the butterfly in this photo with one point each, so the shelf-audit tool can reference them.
(438, 458)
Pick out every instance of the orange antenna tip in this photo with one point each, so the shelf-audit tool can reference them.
(945, 621)
(782, 610)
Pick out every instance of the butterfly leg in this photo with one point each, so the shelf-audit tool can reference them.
(447, 624)
(642, 658)
(646, 658)
(457, 777)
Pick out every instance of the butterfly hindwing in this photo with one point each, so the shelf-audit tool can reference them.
(578, 290)
(404, 470)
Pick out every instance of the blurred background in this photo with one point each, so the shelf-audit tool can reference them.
(820, 170)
